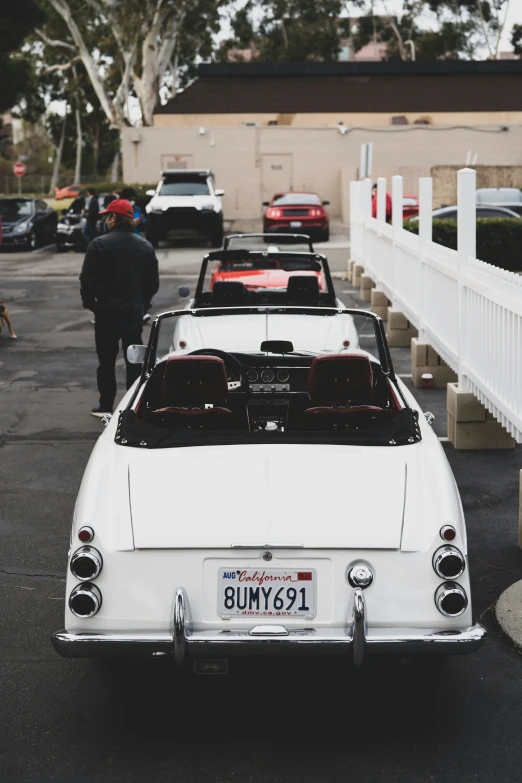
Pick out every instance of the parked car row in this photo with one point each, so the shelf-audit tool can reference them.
(188, 201)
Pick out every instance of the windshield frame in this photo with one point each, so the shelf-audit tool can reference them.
(150, 360)
(216, 256)
(276, 238)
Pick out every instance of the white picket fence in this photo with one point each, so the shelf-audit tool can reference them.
(470, 312)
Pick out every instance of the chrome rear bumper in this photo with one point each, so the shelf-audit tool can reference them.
(355, 640)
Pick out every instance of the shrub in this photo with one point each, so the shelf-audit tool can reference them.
(499, 240)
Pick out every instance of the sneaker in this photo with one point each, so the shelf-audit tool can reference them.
(100, 412)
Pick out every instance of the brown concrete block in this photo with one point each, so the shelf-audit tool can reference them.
(367, 283)
(419, 353)
(396, 320)
(400, 338)
(364, 294)
(468, 435)
(464, 406)
(433, 357)
(382, 312)
(357, 272)
(351, 264)
(442, 375)
(379, 299)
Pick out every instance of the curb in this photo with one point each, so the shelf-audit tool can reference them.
(509, 612)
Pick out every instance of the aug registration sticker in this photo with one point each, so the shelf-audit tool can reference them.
(271, 592)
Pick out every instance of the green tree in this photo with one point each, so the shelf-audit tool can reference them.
(459, 28)
(16, 22)
(132, 46)
(288, 30)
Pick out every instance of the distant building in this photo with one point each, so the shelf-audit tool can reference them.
(265, 128)
(355, 93)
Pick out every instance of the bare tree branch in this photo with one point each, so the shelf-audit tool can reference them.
(50, 42)
(62, 67)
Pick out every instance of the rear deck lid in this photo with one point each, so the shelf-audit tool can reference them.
(315, 497)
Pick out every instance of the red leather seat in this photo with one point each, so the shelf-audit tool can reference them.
(190, 383)
(341, 386)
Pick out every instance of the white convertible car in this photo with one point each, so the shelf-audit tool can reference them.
(311, 512)
(238, 277)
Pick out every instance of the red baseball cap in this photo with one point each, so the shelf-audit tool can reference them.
(121, 206)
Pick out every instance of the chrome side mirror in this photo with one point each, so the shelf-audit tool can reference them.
(184, 292)
(150, 192)
(136, 354)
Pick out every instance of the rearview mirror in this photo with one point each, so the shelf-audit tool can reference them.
(219, 192)
(136, 354)
(184, 292)
(277, 346)
(150, 192)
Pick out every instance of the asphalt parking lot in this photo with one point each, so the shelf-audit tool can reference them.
(267, 721)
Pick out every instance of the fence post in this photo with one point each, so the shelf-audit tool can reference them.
(381, 200)
(365, 195)
(354, 218)
(467, 249)
(397, 186)
(425, 236)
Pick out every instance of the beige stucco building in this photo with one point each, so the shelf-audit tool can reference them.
(307, 129)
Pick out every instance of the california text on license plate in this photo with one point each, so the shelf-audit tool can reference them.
(258, 592)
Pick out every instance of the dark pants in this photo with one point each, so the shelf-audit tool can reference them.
(109, 329)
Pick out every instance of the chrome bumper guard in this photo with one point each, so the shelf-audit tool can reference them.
(184, 643)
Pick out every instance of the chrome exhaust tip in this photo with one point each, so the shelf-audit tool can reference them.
(451, 599)
(85, 600)
(86, 563)
(449, 562)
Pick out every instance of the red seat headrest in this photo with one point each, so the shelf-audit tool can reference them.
(192, 381)
(341, 378)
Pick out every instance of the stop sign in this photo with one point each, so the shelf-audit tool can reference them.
(19, 169)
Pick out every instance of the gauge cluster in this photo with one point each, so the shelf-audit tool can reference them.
(264, 380)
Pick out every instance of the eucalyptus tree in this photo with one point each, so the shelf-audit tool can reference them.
(139, 40)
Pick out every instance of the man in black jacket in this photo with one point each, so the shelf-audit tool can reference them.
(118, 280)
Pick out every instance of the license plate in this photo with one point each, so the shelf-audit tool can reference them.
(259, 592)
(295, 224)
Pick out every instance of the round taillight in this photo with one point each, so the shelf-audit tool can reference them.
(85, 600)
(86, 563)
(182, 344)
(86, 534)
(448, 533)
(451, 599)
(448, 562)
(346, 343)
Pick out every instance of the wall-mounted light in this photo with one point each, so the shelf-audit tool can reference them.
(202, 131)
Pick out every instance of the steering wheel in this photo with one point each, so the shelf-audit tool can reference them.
(231, 364)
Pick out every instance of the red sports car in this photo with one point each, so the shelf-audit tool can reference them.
(70, 191)
(288, 212)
